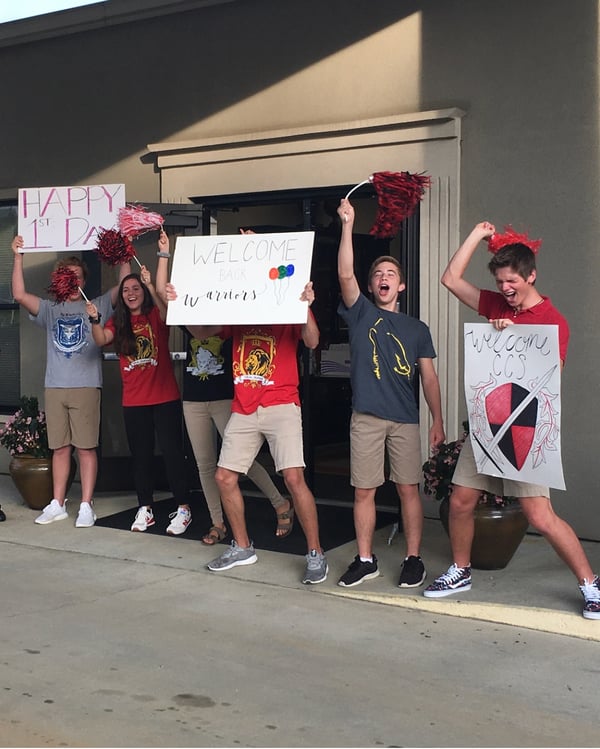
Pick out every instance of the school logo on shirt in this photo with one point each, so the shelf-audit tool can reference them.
(401, 365)
(69, 335)
(206, 360)
(146, 349)
(253, 360)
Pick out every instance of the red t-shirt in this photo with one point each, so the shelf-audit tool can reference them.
(148, 376)
(265, 365)
(493, 306)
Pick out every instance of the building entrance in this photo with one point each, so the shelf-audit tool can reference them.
(324, 374)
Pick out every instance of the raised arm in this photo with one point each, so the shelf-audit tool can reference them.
(310, 329)
(453, 277)
(147, 281)
(124, 271)
(30, 302)
(162, 267)
(101, 336)
(348, 283)
(431, 392)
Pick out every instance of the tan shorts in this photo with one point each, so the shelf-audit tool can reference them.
(369, 438)
(465, 474)
(244, 435)
(73, 416)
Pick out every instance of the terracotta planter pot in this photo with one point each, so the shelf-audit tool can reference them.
(498, 533)
(33, 479)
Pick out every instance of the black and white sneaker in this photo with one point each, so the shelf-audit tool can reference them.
(413, 573)
(359, 571)
(452, 581)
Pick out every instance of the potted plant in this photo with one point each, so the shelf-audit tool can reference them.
(25, 436)
(500, 524)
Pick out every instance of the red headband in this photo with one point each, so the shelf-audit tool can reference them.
(498, 241)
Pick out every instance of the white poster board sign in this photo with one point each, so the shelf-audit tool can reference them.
(512, 389)
(241, 279)
(67, 219)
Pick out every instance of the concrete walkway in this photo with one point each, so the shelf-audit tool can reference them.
(117, 639)
(535, 591)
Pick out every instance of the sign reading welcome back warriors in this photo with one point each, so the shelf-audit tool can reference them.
(241, 279)
(512, 389)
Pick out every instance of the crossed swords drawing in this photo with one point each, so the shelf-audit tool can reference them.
(488, 449)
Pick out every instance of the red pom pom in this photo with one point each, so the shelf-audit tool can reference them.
(64, 283)
(398, 194)
(498, 241)
(136, 219)
(113, 248)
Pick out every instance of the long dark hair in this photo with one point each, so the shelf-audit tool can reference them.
(124, 341)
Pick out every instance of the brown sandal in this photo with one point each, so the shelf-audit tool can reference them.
(214, 536)
(285, 521)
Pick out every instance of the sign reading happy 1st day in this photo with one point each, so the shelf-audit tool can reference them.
(59, 219)
(241, 279)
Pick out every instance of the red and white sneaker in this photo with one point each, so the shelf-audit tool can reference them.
(180, 521)
(143, 520)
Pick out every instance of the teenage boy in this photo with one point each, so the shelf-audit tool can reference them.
(266, 405)
(388, 349)
(72, 383)
(517, 301)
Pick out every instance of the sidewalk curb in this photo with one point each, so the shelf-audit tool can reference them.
(541, 620)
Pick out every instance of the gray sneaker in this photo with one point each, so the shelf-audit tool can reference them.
(232, 557)
(316, 568)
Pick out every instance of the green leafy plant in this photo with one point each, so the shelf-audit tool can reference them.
(25, 432)
(439, 470)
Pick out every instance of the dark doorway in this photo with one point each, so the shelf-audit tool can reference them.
(325, 384)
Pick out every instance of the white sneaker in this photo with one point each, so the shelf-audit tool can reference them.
(86, 516)
(144, 519)
(53, 511)
(179, 521)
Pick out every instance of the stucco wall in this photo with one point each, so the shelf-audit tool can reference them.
(82, 109)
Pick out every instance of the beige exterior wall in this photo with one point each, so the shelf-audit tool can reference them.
(84, 107)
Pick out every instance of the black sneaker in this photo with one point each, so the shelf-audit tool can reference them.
(591, 594)
(413, 573)
(453, 581)
(2, 515)
(359, 571)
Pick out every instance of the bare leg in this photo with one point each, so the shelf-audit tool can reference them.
(559, 534)
(462, 523)
(412, 517)
(88, 471)
(61, 467)
(305, 506)
(364, 520)
(233, 504)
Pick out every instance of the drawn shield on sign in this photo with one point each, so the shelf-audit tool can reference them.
(499, 405)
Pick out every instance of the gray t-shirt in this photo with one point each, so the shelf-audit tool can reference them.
(72, 358)
(384, 348)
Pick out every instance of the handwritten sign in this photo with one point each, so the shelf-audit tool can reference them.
(61, 219)
(241, 279)
(512, 388)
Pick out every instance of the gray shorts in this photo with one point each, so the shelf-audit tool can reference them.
(73, 417)
(465, 474)
(370, 436)
(244, 435)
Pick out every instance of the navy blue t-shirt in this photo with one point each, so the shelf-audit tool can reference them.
(384, 349)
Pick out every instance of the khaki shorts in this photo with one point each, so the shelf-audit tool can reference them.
(73, 416)
(244, 435)
(465, 474)
(369, 438)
